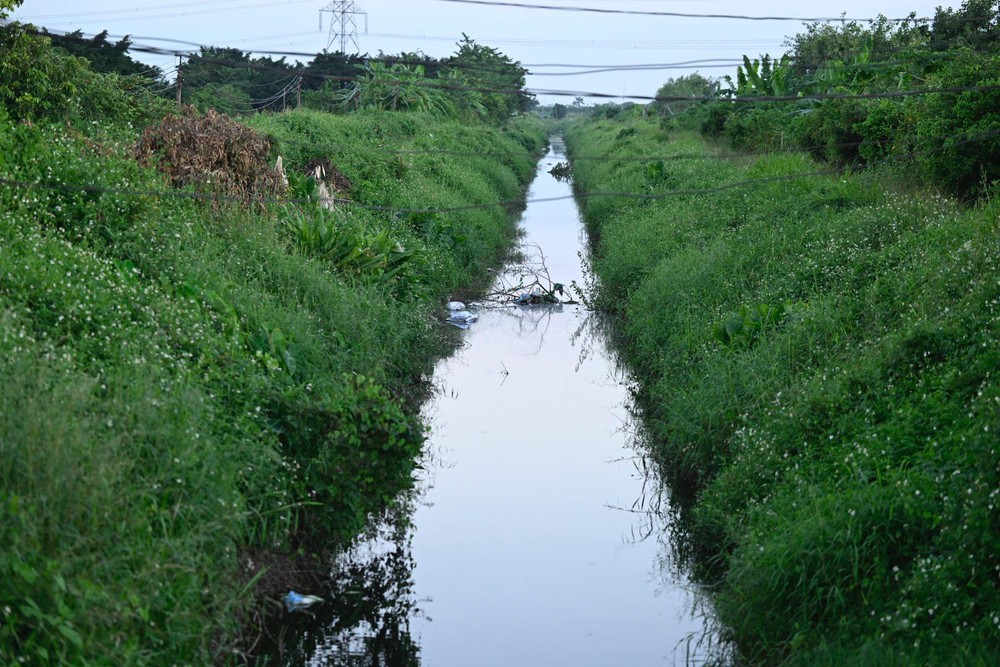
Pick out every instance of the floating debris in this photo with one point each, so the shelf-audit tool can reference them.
(462, 318)
(297, 602)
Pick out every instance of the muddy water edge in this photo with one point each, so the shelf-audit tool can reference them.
(537, 533)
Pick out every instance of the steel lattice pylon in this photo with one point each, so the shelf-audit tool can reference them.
(344, 24)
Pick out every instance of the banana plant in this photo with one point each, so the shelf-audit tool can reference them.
(762, 77)
(395, 87)
(853, 77)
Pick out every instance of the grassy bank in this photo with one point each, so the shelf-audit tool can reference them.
(194, 384)
(818, 358)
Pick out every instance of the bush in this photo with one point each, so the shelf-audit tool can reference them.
(357, 432)
(36, 82)
(212, 153)
(829, 131)
(713, 118)
(757, 127)
(958, 134)
(42, 84)
(884, 133)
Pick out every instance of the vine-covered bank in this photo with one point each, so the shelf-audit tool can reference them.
(818, 358)
(209, 362)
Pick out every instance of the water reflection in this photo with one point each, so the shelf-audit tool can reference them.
(370, 603)
(538, 532)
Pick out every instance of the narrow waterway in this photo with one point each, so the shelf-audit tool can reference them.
(536, 536)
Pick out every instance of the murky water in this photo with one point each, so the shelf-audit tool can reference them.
(536, 537)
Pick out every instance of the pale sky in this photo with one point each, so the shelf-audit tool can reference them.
(538, 38)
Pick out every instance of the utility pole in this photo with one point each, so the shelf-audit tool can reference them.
(180, 77)
(344, 24)
(298, 93)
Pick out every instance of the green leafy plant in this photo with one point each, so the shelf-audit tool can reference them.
(750, 323)
(762, 77)
(351, 250)
(395, 87)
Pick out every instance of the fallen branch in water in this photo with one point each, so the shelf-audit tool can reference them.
(527, 282)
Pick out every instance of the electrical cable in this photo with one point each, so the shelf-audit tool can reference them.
(196, 12)
(488, 68)
(181, 194)
(439, 85)
(650, 12)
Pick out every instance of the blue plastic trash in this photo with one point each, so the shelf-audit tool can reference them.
(297, 602)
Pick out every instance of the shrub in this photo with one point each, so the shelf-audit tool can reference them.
(713, 118)
(756, 127)
(829, 131)
(36, 82)
(42, 84)
(958, 134)
(884, 133)
(357, 432)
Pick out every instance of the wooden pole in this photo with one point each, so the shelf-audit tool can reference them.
(180, 77)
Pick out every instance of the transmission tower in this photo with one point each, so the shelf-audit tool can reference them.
(344, 24)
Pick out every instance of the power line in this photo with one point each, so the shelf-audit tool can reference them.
(650, 12)
(439, 85)
(134, 10)
(190, 195)
(630, 44)
(177, 14)
(447, 86)
(486, 67)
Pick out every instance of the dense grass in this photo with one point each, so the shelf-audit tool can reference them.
(819, 360)
(186, 386)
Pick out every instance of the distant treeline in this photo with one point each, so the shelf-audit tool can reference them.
(855, 95)
(477, 82)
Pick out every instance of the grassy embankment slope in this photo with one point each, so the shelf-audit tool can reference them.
(819, 356)
(191, 385)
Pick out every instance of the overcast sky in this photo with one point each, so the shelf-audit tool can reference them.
(538, 38)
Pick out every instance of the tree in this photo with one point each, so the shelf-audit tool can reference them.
(500, 79)
(225, 71)
(104, 56)
(7, 5)
(824, 42)
(689, 85)
(394, 87)
(975, 24)
(332, 70)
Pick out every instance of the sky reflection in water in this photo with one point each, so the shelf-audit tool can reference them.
(536, 535)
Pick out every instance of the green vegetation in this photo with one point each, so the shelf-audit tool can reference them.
(816, 327)
(207, 370)
(859, 98)
(818, 360)
(477, 83)
(825, 346)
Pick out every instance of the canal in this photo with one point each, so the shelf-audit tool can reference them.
(537, 534)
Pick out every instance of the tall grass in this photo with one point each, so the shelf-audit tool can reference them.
(818, 357)
(185, 385)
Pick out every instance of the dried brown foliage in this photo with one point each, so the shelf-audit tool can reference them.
(213, 154)
(335, 181)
